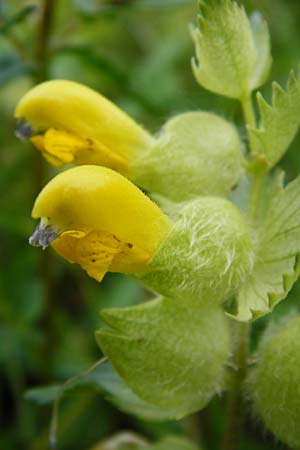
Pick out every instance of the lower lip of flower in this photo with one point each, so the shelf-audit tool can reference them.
(62, 147)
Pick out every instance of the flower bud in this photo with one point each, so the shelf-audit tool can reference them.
(273, 384)
(69, 122)
(95, 217)
(207, 255)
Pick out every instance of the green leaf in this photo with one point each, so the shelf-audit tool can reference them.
(233, 56)
(125, 440)
(17, 18)
(171, 353)
(106, 380)
(262, 43)
(277, 265)
(279, 122)
(174, 443)
(11, 67)
(159, 4)
(42, 395)
(131, 441)
(91, 8)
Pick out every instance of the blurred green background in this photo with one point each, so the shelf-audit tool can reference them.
(138, 54)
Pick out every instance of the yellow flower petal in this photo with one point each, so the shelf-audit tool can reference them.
(100, 132)
(98, 252)
(56, 155)
(61, 148)
(105, 222)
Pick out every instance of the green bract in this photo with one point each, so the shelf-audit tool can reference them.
(262, 44)
(207, 255)
(172, 353)
(279, 121)
(197, 153)
(232, 54)
(276, 265)
(274, 383)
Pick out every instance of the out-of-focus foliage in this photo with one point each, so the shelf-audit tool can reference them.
(138, 54)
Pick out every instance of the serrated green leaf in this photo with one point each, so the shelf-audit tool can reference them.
(272, 187)
(233, 56)
(262, 43)
(277, 264)
(279, 121)
(170, 353)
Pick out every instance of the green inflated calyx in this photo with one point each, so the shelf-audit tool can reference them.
(207, 255)
(172, 353)
(274, 383)
(232, 52)
(197, 153)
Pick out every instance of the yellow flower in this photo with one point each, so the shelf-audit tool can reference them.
(95, 217)
(70, 123)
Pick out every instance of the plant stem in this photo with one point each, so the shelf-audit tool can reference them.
(256, 185)
(257, 175)
(234, 408)
(41, 54)
(63, 387)
(42, 50)
(235, 405)
(250, 120)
